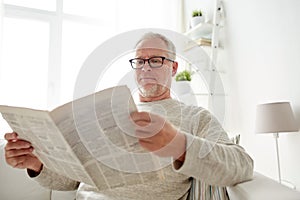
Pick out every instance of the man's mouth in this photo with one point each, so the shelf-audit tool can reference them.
(146, 80)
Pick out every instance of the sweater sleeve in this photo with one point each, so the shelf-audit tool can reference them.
(52, 180)
(211, 157)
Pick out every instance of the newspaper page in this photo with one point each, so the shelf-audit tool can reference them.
(94, 137)
(49, 145)
(105, 140)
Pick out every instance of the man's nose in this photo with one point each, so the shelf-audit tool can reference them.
(146, 66)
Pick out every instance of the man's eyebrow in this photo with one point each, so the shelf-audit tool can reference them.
(149, 56)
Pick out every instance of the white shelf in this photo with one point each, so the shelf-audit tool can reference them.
(201, 30)
(206, 35)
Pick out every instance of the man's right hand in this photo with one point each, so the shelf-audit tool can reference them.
(18, 153)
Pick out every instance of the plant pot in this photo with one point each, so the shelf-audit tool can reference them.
(196, 20)
(181, 87)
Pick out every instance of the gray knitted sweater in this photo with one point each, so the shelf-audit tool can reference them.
(210, 157)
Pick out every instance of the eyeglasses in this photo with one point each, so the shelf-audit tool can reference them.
(154, 62)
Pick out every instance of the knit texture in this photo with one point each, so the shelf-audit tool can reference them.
(212, 162)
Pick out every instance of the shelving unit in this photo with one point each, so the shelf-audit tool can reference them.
(210, 31)
(200, 30)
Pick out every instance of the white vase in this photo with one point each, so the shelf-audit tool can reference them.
(181, 87)
(196, 20)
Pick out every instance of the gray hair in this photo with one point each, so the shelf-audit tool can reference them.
(170, 45)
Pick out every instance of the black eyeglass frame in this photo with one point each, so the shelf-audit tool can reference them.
(148, 60)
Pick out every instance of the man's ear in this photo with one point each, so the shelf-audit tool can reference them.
(174, 68)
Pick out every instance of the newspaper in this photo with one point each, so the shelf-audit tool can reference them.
(90, 139)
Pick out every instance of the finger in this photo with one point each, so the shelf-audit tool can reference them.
(140, 116)
(146, 118)
(11, 136)
(19, 152)
(147, 131)
(143, 134)
(14, 161)
(149, 128)
(19, 144)
(142, 123)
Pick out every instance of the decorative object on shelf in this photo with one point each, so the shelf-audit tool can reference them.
(203, 41)
(182, 83)
(275, 118)
(197, 18)
(185, 75)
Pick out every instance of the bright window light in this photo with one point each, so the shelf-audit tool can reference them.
(38, 4)
(78, 41)
(134, 14)
(91, 8)
(24, 67)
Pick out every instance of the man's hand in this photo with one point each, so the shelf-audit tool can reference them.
(18, 153)
(159, 136)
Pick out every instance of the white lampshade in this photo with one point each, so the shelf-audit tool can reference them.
(275, 117)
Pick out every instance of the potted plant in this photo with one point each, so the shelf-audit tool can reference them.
(185, 75)
(182, 84)
(197, 18)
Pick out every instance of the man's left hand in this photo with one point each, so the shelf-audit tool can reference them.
(159, 136)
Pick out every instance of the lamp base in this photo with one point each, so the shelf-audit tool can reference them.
(276, 136)
(288, 184)
(284, 182)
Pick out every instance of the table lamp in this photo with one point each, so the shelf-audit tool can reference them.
(275, 118)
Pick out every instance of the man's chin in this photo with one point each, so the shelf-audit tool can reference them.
(148, 86)
(148, 90)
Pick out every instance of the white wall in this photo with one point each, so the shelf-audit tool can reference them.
(262, 62)
(263, 45)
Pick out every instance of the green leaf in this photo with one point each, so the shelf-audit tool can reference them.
(183, 76)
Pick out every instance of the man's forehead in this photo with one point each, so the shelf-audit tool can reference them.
(152, 47)
(152, 43)
(151, 52)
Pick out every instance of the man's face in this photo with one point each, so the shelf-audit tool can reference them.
(154, 82)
